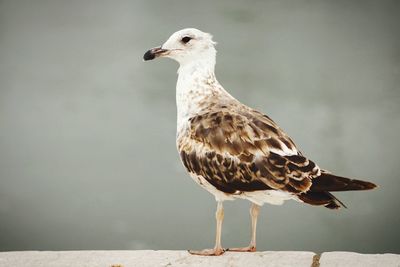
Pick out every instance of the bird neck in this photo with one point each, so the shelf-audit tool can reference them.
(200, 65)
(197, 88)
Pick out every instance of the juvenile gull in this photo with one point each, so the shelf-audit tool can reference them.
(234, 151)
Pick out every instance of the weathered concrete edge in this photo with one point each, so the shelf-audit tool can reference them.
(182, 258)
(151, 258)
(346, 258)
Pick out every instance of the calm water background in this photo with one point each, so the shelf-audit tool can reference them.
(87, 130)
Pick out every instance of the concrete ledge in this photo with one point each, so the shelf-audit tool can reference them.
(165, 258)
(331, 259)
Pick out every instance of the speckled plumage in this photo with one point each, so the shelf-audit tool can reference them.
(239, 150)
(232, 150)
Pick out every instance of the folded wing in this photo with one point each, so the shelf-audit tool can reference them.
(244, 151)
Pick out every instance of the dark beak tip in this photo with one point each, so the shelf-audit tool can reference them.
(149, 55)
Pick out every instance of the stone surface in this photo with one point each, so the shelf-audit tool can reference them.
(162, 258)
(169, 258)
(331, 259)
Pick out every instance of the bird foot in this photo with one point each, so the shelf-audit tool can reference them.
(245, 249)
(208, 252)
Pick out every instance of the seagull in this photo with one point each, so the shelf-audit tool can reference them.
(234, 151)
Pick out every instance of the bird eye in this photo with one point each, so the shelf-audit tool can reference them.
(186, 39)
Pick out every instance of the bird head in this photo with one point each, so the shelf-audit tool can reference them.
(185, 46)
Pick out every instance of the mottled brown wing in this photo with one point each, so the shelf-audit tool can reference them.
(244, 151)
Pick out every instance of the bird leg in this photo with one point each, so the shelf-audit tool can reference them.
(217, 250)
(254, 211)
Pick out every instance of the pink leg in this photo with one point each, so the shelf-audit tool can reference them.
(254, 211)
(217, 250)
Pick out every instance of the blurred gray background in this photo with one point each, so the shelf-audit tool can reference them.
(87, 129)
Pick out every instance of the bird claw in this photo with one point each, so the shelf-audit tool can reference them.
(208, 252)
(245, 249)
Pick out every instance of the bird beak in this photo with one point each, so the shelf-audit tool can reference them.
(154, 52)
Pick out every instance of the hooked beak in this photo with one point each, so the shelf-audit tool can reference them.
(153, 53)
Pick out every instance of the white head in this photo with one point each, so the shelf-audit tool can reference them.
(186, 46)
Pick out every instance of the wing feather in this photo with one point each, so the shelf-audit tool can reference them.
(244, 150)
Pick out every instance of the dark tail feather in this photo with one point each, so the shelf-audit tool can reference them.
(325, 199)
(330, 182)
(319, 192)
